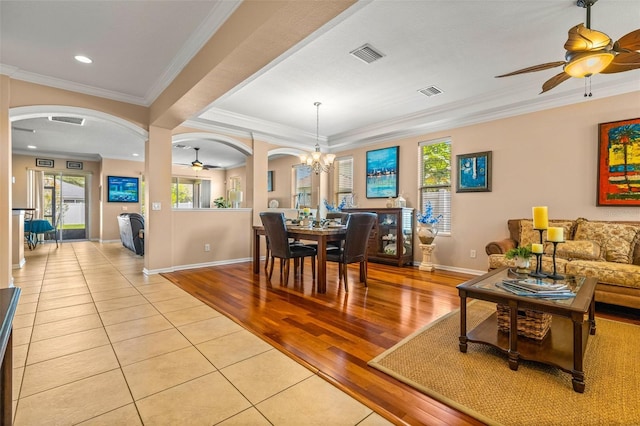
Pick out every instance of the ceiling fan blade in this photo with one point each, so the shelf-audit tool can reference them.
(554, 81)
(629, 41)
(534, 68)
(582, 39)
(623, 62)
(209, 166)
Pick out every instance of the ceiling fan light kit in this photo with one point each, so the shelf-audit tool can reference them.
(590, 52)
(586, 64)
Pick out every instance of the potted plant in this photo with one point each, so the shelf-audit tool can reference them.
(426, 230)
(522, 257)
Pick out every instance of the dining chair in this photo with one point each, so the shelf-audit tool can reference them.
(53, 229)
(276, 229)
(29, 237)
(354, 246)
(344, 218)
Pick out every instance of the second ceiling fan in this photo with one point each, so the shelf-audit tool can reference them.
(198, 165)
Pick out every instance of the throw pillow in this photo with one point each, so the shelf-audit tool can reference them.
(576, 249)
(615, 239)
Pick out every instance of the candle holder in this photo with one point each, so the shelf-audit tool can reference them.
(555, 275)
(538, 272)
(540, 230)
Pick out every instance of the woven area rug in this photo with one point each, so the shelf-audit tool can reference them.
(481, 384)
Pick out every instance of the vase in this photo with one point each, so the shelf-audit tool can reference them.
(426, 233)
(522, 264)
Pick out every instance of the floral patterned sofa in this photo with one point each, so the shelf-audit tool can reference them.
(609, 251)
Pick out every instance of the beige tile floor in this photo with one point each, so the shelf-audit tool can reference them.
(96, 342)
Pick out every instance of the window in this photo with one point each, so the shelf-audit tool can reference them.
(187, 193)
(301, 186)
(343, 178)
(435, 180)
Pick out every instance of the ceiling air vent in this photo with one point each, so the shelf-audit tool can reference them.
(69, 120)
(430, 91)
(366, 53)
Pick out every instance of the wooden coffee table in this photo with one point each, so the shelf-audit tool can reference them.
(562, 347)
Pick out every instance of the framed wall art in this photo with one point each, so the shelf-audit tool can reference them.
(474, 172)
(619, 163)
(74, 165)
(44, 162)
(382, 172)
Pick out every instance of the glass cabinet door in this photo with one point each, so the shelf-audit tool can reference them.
(388, 233)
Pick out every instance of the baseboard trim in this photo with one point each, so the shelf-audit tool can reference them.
(455, 269)
(196, 266)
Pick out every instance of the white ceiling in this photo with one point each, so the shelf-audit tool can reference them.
(138, 47)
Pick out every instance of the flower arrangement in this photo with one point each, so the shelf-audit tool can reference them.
(330, 207)
(428, 218)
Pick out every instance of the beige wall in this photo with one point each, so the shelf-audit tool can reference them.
(227, 231)
(282, 180)
(544, 158)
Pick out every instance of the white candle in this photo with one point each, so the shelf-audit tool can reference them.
(540, 217)
(555, 234)
(537, 248)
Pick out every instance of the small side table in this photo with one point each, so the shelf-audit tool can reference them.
(426, 264)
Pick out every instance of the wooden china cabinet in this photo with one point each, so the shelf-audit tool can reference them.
(391, 240)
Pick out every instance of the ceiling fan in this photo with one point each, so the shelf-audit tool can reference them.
(590, 52)
(197, 165)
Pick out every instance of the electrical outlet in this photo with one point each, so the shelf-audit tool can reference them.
(207, 247)
(472, 254)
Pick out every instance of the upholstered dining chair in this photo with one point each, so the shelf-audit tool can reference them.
(355, 245)
(276, 229)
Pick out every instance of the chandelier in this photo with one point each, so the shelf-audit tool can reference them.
(315, 159)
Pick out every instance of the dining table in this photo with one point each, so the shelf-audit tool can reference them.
(34, 227)
(320, 235)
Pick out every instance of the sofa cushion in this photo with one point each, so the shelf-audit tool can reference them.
(615, 239)
(576, 249)
(528, 235)
(607, 272)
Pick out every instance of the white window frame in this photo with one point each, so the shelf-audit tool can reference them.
(346, 190)
(438, 193)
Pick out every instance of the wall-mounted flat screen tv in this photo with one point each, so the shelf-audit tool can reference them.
(121, 189)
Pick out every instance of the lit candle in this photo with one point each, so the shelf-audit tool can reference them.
(540, 217)
(555, 234)
(537, 248)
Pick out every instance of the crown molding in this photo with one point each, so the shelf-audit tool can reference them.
(18, 74)
(462, 114)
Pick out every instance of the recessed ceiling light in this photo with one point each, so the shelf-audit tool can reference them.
(31, 146)
(136, 155)
(83, 59)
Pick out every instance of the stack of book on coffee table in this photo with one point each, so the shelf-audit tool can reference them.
(530, 287)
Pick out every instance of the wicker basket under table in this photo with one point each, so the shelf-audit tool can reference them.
(531, 324)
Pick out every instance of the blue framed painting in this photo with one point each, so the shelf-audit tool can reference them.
(474, 172)
(382, 172)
